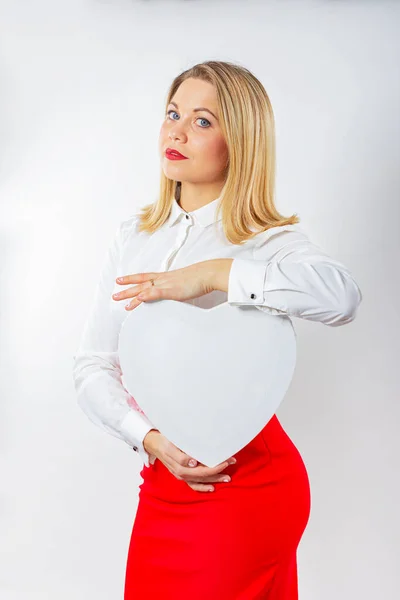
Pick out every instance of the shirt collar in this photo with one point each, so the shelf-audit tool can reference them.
(204, 216)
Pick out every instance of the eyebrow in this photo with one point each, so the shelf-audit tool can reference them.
(198, 109)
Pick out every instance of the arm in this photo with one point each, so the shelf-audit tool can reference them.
(96, 369)
(288, 274)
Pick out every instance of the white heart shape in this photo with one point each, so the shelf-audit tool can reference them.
(208, 379)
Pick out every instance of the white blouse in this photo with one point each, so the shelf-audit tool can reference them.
(278, 271)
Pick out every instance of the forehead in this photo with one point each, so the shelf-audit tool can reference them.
(196, 92)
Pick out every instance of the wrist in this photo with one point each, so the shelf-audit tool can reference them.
(219, 270)
(149, 440)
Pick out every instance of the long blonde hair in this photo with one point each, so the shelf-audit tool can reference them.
(247, 200)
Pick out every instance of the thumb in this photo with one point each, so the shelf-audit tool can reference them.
(191, 462)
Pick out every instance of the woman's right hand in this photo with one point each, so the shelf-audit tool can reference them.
(177, 462)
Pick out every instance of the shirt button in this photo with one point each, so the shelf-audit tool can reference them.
(253, 296)
(187, 216)
(135, 448)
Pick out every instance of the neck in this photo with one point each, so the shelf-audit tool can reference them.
(193, 197)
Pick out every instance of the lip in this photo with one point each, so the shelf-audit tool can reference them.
(174, 154)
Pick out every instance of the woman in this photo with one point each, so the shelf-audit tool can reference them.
(214, 235)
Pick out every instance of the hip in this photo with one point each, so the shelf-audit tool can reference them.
(269, 462)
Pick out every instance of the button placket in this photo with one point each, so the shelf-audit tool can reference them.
(180, 240)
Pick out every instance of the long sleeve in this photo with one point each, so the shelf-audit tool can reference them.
(288, 274)
(96, 368)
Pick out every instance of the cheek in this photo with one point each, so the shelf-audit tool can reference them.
(214, 150)
(162, 136)
(164, 131)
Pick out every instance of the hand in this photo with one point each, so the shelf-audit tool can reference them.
(180, 284)
(177, 462)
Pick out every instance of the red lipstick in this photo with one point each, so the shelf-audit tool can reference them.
(174, 154)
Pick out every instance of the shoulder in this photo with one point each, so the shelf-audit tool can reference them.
(282, 234)
(283, 240)
(130, 223)
(128, 227)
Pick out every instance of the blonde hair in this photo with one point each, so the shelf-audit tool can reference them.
(247, 123)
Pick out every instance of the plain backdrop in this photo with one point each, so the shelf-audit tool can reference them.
(82, 92)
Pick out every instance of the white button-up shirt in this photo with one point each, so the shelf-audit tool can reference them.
(279, 271)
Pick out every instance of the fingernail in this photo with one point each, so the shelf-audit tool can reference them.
(232, 461)
(192, 462)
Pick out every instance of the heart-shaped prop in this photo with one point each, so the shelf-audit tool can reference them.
(208, 379)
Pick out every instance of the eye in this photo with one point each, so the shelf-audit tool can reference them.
(201, 118)
(171, 111)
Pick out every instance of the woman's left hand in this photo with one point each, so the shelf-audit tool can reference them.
(180, 284)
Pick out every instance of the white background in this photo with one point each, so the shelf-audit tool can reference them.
(82, 92)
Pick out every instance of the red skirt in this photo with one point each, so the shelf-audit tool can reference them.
(236, 543)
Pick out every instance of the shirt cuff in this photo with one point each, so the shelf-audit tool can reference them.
(134, 428)
(246, 282)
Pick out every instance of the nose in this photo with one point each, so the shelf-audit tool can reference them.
(177, 132)
(173, 135)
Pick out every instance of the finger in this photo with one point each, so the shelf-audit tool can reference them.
(128, 293)
(220, 478)
(201, 472)
(199, 487)
(133, 304)
(142, 295)
(150, 293)
(206, 477)
(187, 472)
(208, 487)
(135, 278)
(184, 460)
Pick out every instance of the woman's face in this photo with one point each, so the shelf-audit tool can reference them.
(196, 135)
